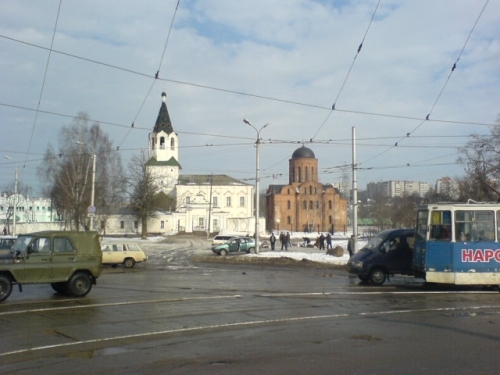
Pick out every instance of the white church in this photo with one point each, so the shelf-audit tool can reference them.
(204, 203)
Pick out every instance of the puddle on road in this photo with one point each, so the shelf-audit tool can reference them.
(98, 352)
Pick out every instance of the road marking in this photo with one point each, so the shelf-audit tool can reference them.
(119, 304)
(238, 324)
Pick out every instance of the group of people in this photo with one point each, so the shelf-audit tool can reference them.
(320, 242)
(284, 240)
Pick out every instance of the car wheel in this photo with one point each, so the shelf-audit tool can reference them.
(5, 287)
(79, 285)
(364, 278)
(377, 276)
(223, 253)
(129, 262)
(59, 287)
(251, 250)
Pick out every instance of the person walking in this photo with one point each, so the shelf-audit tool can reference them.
(272, 241)
(350, 246)
(322, 242)
(288, 243)
(282, 240)
(328, 241)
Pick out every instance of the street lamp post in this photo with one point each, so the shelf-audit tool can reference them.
(91, 209)
(257, 182)
(15, 201)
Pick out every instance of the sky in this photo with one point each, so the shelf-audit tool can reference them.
(383, 65)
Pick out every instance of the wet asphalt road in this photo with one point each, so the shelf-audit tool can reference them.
(176, 316)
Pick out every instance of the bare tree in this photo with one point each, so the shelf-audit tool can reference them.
(481, 160)
(68, 172)
(403, 210)
(19, 200)
(145, 191)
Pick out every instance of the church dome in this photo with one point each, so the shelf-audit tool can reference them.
(303, 152)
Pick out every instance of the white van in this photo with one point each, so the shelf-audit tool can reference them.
(217, 240)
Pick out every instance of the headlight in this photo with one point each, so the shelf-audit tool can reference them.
(357, 264)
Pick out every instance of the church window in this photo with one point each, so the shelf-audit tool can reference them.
(172, 143)
(317, 204)
(122, 224)
(215, 201)
(201, 221)
(311, 204)
(310, 189)
(305, 205)
(299, 175)
(330, 219)
(162, 224)
(330, 206)
(242, 201)
(289, 205)
(307, 173)
(289, 220)
(162, 143)
(188, 200)
(228, 201)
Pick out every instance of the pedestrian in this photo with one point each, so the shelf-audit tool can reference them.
(288, 243)
(322, 242)
(328, 241)
(282, 240)
(272, 241)
(4, 231)
(351, 246)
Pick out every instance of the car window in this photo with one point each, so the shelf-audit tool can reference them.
(63, 245)
(116, 248)
(41, 245)
(133, 247)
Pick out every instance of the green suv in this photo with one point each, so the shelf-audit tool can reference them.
(70, 261)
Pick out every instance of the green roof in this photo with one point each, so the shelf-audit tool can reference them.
(172, 162)
(202, 179)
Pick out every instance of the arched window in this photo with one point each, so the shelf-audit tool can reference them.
(172, 143)
(162, 143)
(298, 175)
(307, 174)
(305, 205)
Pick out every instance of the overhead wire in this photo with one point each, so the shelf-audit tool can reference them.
(236, 92)
(427, 118)
(155, 78)
(40, 95)
(348, 72)
(51, 50)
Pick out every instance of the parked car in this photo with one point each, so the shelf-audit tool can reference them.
(127, 254)
(389, 253)
(220, 239)
(69, 261)
(235, 245)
